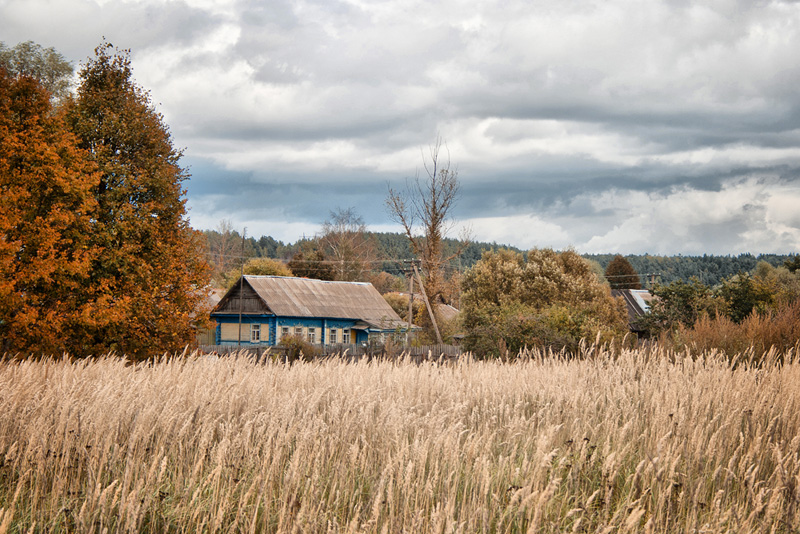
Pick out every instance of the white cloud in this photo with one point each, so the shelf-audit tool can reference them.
(748, 216)
(583, 113)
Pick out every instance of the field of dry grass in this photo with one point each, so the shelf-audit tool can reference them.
(643, 442)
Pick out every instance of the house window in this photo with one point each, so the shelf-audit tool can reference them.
(255, 333)
(346, 335)
(298, 331)
(284, 331)
(312, 335)
(332, 338)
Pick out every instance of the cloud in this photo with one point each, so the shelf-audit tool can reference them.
(618, 126)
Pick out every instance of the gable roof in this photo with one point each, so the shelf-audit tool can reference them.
(637, 302)
(305, 297)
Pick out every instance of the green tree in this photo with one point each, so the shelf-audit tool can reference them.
(793, 263)
(46, 205)
(150, 274)
(621, 274)
(745, 294)
(681, 303)
(783, 283)
(551, 299)
(43, 64)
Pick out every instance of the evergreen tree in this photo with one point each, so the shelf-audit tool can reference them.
(621, 274)
(149, 275)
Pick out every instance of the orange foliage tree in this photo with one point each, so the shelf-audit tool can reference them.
(148, 279)
(45, 220)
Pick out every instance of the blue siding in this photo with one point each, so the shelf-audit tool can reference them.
(322, 324)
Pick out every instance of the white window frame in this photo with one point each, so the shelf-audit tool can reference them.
(255, 333)
(298, 331)
(332, 336)
(346, 336)
(312, 335)
(285, 331)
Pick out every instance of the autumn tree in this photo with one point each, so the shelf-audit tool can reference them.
(621, 274)
(46, 205)
(258, 267)
(346, 244)
(149, 274)
(424, 210)
(399, 303)
(550, 299)
(45, 65)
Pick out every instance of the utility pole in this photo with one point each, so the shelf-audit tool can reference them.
(410, 304)
(241, 285)
(427, 304)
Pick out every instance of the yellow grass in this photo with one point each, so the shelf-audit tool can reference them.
(643, 442)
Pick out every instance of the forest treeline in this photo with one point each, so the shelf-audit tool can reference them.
(392, 248)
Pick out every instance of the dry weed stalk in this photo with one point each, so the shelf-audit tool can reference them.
(638, 441)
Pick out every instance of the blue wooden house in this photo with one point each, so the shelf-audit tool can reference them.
(321, 312)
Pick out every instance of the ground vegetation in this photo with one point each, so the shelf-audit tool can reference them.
(635, 441)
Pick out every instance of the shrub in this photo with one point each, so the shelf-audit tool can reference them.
(756, 334)
(298, 348)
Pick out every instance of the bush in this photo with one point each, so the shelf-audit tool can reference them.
(756, 334)
(298, 348)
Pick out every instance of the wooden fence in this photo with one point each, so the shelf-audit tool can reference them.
(346, 351)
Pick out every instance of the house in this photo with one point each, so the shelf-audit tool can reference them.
(205, 335)
(321, 312)
(637, 302)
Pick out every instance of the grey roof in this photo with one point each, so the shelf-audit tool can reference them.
(305, 297)
(637, 302)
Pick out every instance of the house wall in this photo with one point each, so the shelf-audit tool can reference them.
(271, 329)
(322, 328)
(227, 331)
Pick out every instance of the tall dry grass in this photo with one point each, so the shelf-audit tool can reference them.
(644, 441)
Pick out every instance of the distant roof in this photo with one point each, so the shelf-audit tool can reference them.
(637, 302)
(214, 296)
(447, 312)
(306, 297)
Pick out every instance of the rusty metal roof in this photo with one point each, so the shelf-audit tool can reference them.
(305, 297)
(637, 302)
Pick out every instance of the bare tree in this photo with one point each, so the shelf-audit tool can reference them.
(224, 248)
(424, 211)
(346, 243)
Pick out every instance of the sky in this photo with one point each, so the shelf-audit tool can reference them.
(611, 126)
